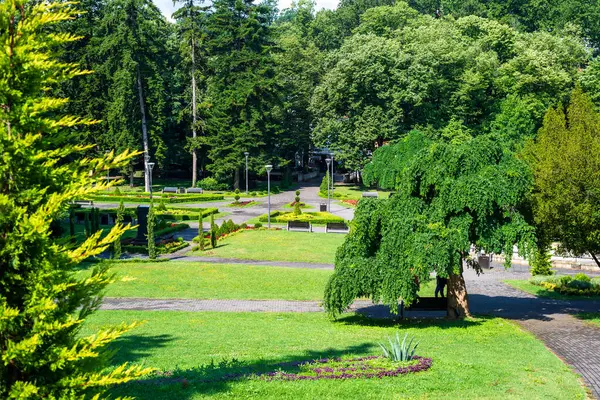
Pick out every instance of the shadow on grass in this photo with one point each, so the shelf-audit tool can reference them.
(362, 320)
(136, 348)
(217, 376)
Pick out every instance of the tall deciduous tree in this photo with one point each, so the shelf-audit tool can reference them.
(43, 303)
(566, 163)
(452, 193)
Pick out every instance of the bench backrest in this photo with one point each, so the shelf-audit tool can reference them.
(298, 224)
(194, 190)
(337, 225)
(430, 303)
(168, 189)
(370, 194)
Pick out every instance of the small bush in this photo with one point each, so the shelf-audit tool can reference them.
(297, 193)
(211, 184)
(237, 191)
(582, 277)
(243, 225)
(541, 265)
(252, 194)
(237, 198)
(297, 210)
(257, 225)
(117, 191)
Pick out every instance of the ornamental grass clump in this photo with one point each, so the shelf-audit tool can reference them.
(397, 350)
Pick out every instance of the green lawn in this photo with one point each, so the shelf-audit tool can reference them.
(278, 246)
(593, 318)
(539, 291)
(477, 359)
(193, 280)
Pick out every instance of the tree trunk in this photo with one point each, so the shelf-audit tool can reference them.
(194, 119)
(458, 298)
(236, 179)
(144, 130)
(595, 259)
(130, 175)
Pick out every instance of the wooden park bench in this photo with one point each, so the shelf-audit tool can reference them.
(299, 226)
(336, 227)
(426, 304)
(194, 190)
(169, 189)
(83, 203)
(370, 194)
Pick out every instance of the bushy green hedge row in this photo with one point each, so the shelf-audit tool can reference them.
(578, 285)
(312, 217)
(168, 248)
(171, 198)
(185, 214)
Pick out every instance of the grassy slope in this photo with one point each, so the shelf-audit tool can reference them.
(492, 359)
(542, 292)
(192, 280)
(278, 246)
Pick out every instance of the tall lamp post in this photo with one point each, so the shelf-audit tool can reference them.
(269, 168)
(332, 179)
(246, 154)
(328, 161)
(150, 166)
(107, 152)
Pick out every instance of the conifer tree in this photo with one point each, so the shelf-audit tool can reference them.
(119, 221)
(200, 232)
(43, 303)
(150, 235)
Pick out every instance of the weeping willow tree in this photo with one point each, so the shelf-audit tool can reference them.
(452, 194)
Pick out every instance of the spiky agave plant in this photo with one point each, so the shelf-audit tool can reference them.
(399, 351)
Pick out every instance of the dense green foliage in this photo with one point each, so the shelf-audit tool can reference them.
(452, 194)
(566, 162)
(42, 303)
(150, 235)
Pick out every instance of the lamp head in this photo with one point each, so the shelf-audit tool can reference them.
(328, 160)
(246, 153)
(268, 168)
(150, 166)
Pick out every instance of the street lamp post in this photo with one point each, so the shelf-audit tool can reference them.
(269, 168)
(328, 161)
(332, 179)
(107, 152)
(246, 154)
(150, 166)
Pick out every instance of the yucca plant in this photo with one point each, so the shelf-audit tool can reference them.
(399, 351)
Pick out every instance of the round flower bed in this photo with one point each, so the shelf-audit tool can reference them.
(352, 368)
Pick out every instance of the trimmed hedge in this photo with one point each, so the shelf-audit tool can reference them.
(161, 249)
(171, 198)
(192, 214)
(312, 217)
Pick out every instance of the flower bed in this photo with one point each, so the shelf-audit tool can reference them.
(351, 203)
(352, 368)
(312, 217)
(578, 285)
(293, 204)
(162, 247)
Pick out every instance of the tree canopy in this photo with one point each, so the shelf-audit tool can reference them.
(451, 194)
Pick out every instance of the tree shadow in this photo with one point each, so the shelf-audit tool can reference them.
(217, 376)
(136, 348)
(418, 320)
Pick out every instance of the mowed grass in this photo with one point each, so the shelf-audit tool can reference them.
(540, 291)
(278, 246)
(593, 318)
(476, 359)
(194, 280)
